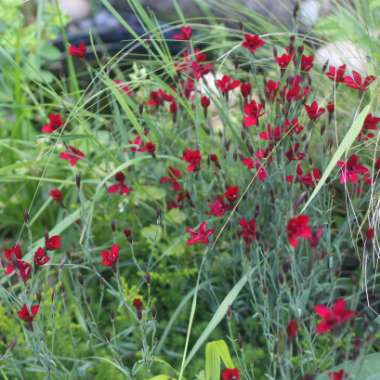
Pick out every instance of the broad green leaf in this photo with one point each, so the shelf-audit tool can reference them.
(152, 233)
(344, 146)
(216, 352)
(147, 193)
(365, 368)
(162, 377)
(175, 216)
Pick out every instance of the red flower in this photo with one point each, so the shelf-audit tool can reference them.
(330, 107)
(248, 230)
(157, 98)
(315, 237)
(336, 75)
(370, 233)
(271, 134)
(123, 87)
(245, 89)
(218, 208)
(200, 236)
(174, 174)
(307, 62)
(271, 88)
(231, 374)
(56, 195)
(308, 179)
(338, 375)
(184, 34)
(351, 170)
(293, 90)
(55, 122)
(283, 60)
(370, 124)
(52, 243)
(119, 187)
(232, 193)
(227, 84)
(253, 111)
(40, 257)
(24, 269)
(292, 329)
(205, 102)
(11, 256)
(298, 228)
(356, 81)
(138, 304)
(72, 155)
(252, 42)
(110, 256)
(193, 157)
(314, 111)
(78, 51)
(28, 315)
(293, 153)
(331, 318)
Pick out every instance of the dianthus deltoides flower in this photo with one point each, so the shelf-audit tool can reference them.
(110, 256)
(332, 317)
(193, 158)
(231, 374)
(200, 236)
(28, 315)
(298, 228)
(252, 42)
(338, 375)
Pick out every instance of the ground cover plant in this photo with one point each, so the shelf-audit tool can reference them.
(211, 214)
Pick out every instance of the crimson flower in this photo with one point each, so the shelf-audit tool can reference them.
(55, 122)
(293, 153)
(200, 236)
(336, 75)
(11, 255)
(119, 187)
(232, 193)
(309, 179)
(227, 84)
(370, 124)
(298, 228)
(28, 315)
(252, 113)
(184, 34)
(338, 375)
(332, 317)
(351, 170)
(24, 269)
(174, 175)
(110, 256)
(251, 163)
(78, 51)
(283, 60)
(315, 237)
(293, 90)
(193, 158)
(138, 304)
(248, 232)
(40, 257)
(231, 374)
(72, 155)
(123, 87)
(307, 62)
(52, 243)
(292, 329)
(370, 233)
(56, 195)
(314, 111)
(377, 164)
(157, 98)
(271, 134)
(245, 89)
(271, 88)
(330, 107)
(357, 82)
(218, 208)
(205, 102)
(252, 42)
